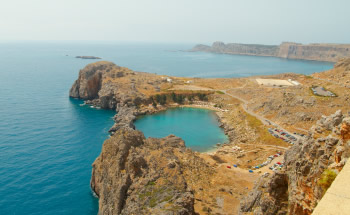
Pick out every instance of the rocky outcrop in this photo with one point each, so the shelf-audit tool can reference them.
(134, 175)
(96, 84)
(296, 189)
(318, 52)
(124, 119)
(89, 82)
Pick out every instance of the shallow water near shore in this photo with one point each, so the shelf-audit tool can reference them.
(199, 128)
(48, 141)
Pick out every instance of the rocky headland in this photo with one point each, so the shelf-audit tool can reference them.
(289, 50)
(161, 176)
(135, 175)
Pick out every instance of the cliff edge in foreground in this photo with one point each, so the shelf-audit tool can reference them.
(309, 165)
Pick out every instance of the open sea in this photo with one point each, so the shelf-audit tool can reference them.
(48, 141)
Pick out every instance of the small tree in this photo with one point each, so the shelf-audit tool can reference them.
(158, 98)
(163, 99)
(173, 97)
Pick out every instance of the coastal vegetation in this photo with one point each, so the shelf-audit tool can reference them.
(327, 179)
(179, 98)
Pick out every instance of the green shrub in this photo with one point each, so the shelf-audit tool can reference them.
(327, 179)
(153, 202)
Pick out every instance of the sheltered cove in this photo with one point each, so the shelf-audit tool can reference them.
(162, 176)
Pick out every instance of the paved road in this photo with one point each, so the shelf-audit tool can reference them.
(261, 118)
(332, 82)
(271, 146)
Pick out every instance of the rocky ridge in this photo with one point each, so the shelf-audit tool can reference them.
(318, 52)
(296, 189)
(135, 175)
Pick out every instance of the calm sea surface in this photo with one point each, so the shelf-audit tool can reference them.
(48, 141)
(198, 127)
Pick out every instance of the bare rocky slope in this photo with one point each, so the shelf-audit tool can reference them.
(134, 175)
(296, 189)
(318, 52)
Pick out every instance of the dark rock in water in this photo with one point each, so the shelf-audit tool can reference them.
(88, 57)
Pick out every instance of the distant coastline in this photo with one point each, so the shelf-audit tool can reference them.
(289, 50)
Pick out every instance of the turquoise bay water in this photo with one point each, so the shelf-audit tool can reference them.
(197, 127)
(48, 141)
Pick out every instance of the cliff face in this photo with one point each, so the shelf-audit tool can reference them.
(296, 188)
(89, 81)
(134, 175)
(318, 52)
(107, 85)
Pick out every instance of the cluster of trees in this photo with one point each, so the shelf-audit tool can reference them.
(178, 98)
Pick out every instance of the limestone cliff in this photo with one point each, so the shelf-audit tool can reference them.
(89, 82)
(296, 189)
(318, 52)
(107, 85)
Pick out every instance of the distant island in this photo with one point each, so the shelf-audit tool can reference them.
(88, 57)
(314, 51)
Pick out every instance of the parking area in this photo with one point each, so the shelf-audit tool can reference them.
(321, 91)
(283, 135)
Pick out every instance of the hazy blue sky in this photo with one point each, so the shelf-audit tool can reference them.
(198, 21)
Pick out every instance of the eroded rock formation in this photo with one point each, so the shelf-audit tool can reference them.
(96, 84)
(134, 175)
